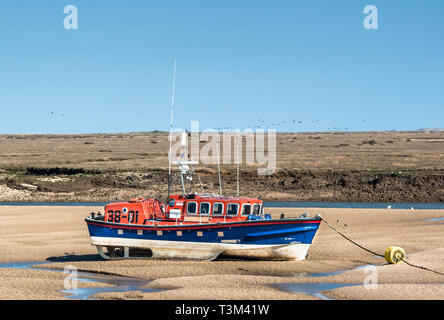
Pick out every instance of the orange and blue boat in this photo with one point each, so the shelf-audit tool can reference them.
(199, 226)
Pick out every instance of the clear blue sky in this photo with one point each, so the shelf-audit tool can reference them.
(237, 62)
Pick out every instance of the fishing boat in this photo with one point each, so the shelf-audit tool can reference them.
(191, 225)
(198, 226)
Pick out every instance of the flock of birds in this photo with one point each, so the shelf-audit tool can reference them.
(275, 125)
(54, 114)
(259, 124)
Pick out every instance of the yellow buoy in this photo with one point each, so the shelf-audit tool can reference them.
(394, 255)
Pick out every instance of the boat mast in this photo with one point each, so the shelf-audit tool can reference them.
(184, 163)
(237, 168)
(186, 166)
(218, 168)
(171, 128)
(184, 169)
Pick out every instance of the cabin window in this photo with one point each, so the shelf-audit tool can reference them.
(233, 209)
(204, 208)
(192, 207)
(218, 208)
(246, 209)
(256, 209)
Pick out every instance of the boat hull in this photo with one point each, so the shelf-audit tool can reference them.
(285, 239)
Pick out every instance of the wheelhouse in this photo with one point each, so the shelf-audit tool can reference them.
(215, 206)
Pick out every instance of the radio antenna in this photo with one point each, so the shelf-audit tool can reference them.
(171, 129)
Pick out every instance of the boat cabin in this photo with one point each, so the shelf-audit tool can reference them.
(190, 208)
(213, 207)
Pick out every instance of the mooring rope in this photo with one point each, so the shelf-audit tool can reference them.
(421, 267)
(377, 254)
(347, 238)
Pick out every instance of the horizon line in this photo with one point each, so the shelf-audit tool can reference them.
(221, 131)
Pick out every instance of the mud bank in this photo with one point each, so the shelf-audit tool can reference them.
(51, 185)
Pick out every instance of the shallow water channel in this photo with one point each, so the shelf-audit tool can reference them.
(112, 283)
(316, 288)
(115, 283)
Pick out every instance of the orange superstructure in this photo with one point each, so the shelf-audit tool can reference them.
(189, 208)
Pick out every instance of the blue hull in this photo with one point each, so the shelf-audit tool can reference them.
(263, 232)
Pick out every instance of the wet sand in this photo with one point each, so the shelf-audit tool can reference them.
(59, 235)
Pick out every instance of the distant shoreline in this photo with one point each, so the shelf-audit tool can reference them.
(217, 130)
